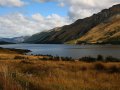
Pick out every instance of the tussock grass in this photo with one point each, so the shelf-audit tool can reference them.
(34, 73)
(65, 75)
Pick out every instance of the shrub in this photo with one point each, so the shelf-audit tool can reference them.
(20, 57)
(114, 69)
(88, 59)
(100, 58)
(99, 67)
(26, 62)
(111, 59)
(44, 58)
(83, 68)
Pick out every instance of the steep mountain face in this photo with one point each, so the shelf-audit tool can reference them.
(42, 37)
(106, 32)
(76, 30)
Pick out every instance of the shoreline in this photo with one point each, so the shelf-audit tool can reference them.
(19, 51)
(40, 72)
(89, 59)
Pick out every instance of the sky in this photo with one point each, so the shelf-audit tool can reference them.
(27, 17)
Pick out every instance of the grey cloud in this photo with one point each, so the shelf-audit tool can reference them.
(19, 25)
(11, 3)
(83, 8)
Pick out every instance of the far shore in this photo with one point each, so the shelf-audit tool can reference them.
(24, 52)
(19, 51)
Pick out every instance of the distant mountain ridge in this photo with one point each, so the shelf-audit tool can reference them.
(75, 32)
(3, 42)
(14, 39)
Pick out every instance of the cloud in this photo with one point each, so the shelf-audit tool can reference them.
(83, 8)
(11, 3)
(61, 4)
(19, 25)
(50, 22)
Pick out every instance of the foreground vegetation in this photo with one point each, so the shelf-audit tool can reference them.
(29, 72)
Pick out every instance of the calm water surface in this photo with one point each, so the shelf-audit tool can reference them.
(74, 51)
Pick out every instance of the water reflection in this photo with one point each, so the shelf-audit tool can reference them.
(74, 51)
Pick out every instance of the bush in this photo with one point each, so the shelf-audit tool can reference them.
(111, 59)
(26, 62)
(88, 59)
(99, 67)
(100, 58)
(114, 69)
(44, 58)
(83, 68)
(20, 57)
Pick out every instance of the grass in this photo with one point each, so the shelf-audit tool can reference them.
(34, 73)
(65, 75)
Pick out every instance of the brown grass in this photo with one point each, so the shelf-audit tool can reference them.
(35, 74)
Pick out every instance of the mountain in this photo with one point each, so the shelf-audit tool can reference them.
(20, 39)
(3, 42)
(14, 40)
(107, 32)
(80, 30)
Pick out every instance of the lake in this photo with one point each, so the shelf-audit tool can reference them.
(74, 51)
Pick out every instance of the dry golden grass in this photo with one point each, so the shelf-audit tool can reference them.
(104, 31)
(35, 74)
(61, 75)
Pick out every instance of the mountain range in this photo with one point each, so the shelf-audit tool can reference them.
(103, 27)
(13, 40)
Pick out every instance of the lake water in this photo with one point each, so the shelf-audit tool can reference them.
(74, 51)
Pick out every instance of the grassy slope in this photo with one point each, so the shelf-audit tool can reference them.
(34, 74)
(109, 31)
